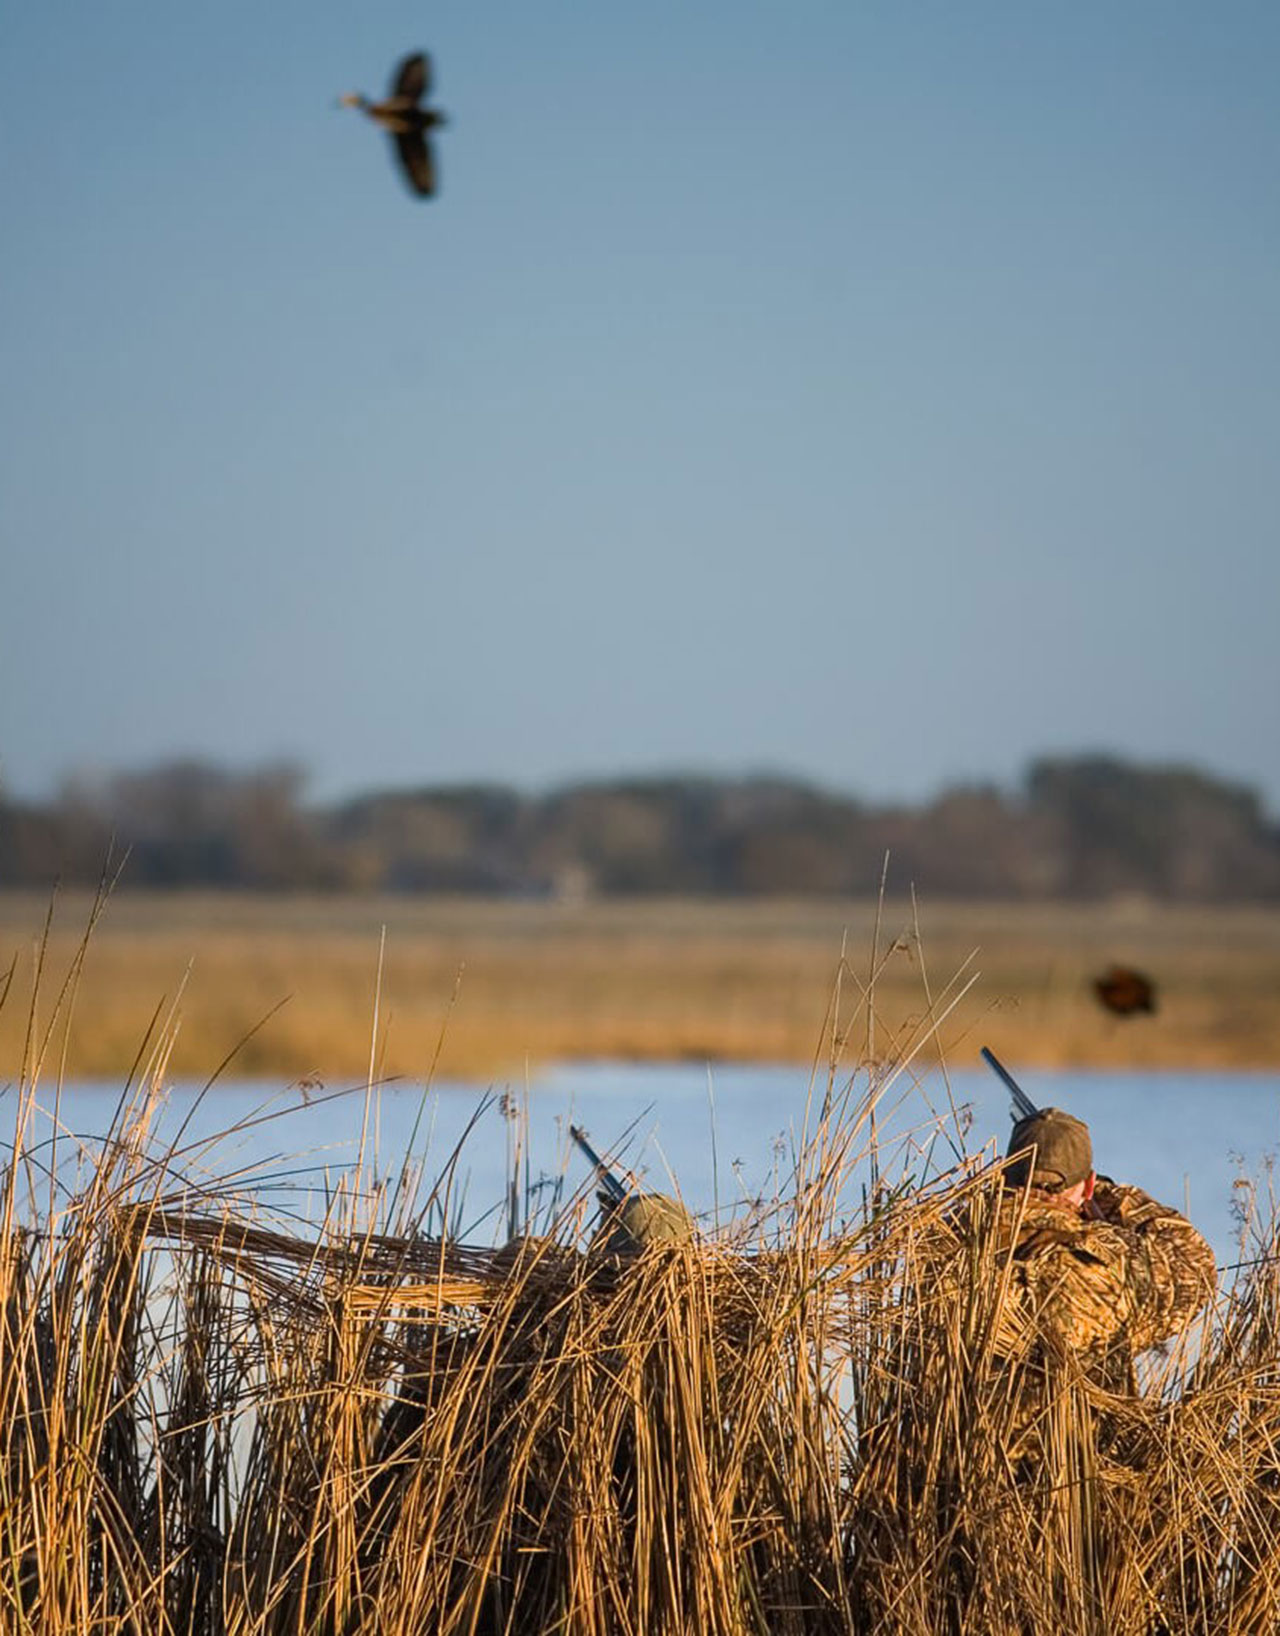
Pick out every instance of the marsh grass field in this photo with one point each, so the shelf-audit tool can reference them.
(485, 988)
(219, 1418)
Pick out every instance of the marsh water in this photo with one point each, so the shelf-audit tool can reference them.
(723, 1135)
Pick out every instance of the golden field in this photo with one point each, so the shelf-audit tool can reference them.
(482, 989)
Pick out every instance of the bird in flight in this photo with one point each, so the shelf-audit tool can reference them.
(409, 123)
(1125, 991)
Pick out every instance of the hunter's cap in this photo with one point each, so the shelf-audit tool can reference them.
(642, 1219)
(1063, 1152)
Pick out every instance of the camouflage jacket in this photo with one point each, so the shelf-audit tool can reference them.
(1122, 1275)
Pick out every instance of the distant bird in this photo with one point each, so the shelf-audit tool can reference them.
(1125, 991)
(403, 115)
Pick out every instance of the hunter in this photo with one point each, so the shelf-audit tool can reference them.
(1095, 1268)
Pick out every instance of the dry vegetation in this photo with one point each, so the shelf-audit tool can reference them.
(529, 982)
(217, 1421)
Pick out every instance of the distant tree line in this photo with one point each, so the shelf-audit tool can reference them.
(1083, 827)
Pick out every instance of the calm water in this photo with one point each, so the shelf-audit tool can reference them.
(722, 1134)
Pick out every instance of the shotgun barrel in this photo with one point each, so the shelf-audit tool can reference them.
(1023, 1106)
(608, 1181)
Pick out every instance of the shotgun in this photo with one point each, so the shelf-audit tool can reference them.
(609, 1183)
(1023, 1106)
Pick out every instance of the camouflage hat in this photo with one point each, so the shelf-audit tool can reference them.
(1063, 1151)
(642, 1219)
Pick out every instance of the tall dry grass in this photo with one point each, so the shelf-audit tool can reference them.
(216, 1420)
(645, 981)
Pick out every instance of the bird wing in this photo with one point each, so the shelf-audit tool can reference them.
(417, 162)
(413, 77)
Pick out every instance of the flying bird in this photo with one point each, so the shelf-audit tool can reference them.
(1125, 991)
(409, 123)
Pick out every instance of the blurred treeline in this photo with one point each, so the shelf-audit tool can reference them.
(1083, 827)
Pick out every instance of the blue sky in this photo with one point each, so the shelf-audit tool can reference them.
(880, 393)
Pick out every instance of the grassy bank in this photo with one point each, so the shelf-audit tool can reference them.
(215, 1419)
(494, 985)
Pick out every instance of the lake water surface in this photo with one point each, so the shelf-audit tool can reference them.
(725, 1133)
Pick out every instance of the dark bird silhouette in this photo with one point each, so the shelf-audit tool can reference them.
(1125, 991)
(408, 121)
